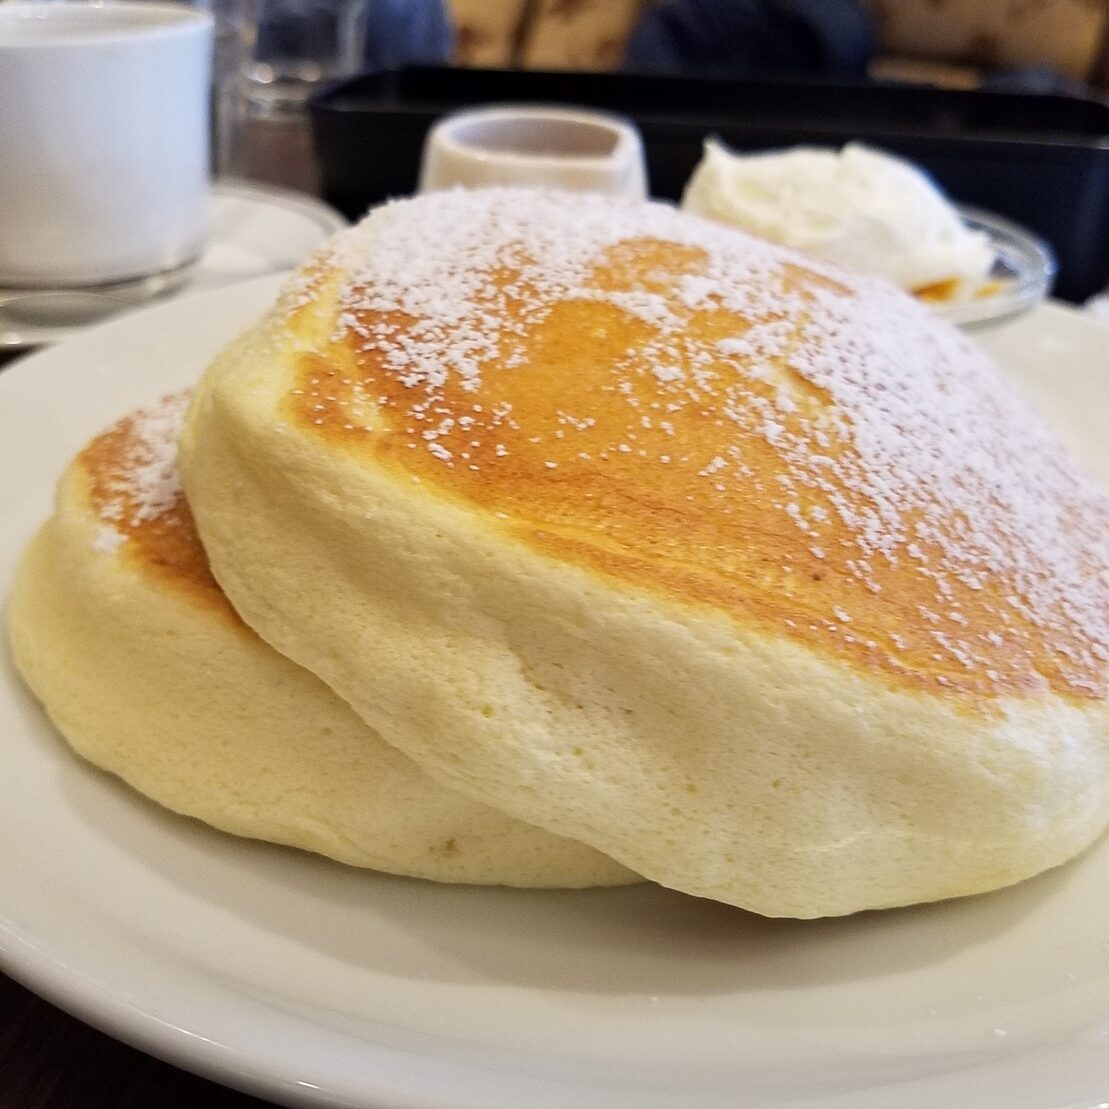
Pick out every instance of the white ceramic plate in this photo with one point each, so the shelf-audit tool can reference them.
(252, 230)
(311, 983)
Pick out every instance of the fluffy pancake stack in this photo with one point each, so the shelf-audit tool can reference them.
(120, 629)
(743, 571)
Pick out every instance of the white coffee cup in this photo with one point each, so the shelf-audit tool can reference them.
(104, 118)
(564, 148)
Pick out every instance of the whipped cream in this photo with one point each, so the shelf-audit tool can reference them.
(859, 207)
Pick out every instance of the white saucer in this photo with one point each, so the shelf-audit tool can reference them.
(253, 230)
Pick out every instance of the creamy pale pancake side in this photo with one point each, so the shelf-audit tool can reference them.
(749, 572)
(121, 630)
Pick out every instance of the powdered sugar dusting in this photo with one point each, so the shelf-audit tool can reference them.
(878, 448)
(439, 314)
(108, 539)
(143, 482)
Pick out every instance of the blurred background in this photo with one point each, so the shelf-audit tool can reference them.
(1036, 44)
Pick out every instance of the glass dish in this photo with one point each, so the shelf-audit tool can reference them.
(1020, 279)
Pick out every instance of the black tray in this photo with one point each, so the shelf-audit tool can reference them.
(1043, 161)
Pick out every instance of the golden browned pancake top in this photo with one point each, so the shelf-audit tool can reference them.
(694, 412)
(135, 490)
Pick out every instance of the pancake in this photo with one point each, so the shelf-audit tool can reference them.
(120, 629)
(744, 570)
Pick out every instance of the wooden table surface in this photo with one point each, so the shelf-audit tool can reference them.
(48, 1059)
